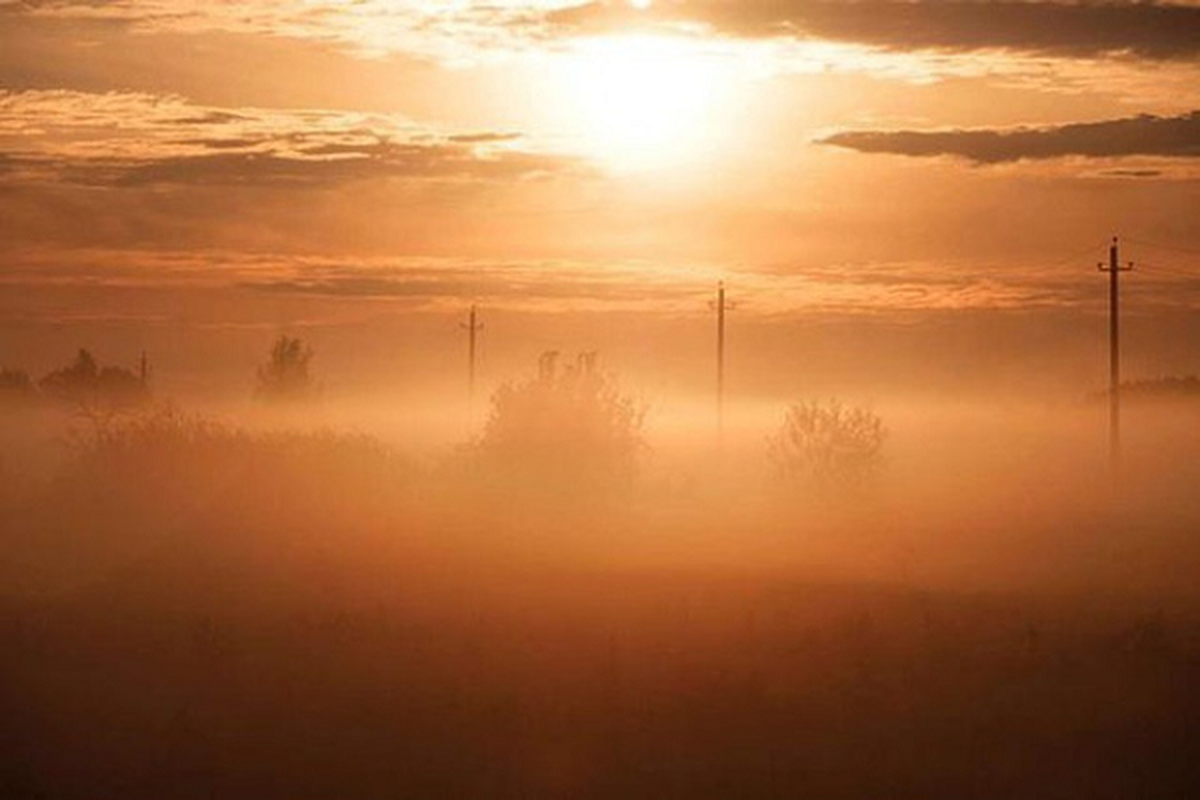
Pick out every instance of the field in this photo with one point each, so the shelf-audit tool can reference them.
(197, 609)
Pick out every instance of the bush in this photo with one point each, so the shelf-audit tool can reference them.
(563, 429)
(828, 445)
(285, 374)
(165, 463)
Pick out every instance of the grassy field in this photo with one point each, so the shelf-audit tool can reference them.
(193, 609)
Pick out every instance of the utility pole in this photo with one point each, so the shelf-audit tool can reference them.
(1114, 270)
(472, 327)
(721, 307)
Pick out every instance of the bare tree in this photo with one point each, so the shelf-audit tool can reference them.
(828, 445)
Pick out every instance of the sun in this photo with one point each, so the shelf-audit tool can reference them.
(640, 102)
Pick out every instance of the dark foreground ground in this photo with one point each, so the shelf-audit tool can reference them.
(646, 685)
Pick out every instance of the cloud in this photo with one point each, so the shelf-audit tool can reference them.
(1131, 48)
(466, 31)
(448, 32)
(373, 284)
(1145, 135)
(1149, 30)
(1133, 173)
(484, 138)
(132, 139)
(514, 284)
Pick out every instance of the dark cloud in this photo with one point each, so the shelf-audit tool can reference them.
(485, 138)
(1133, 173)
(268, 169)
(211, 118)
(1148, 30)
(518, 284)
(222, 144)
(361, 287)
(134, 140)
(1173, 137)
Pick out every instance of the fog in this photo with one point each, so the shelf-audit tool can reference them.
(586, 589)
(781, 462)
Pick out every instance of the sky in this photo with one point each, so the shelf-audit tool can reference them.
(915, 192)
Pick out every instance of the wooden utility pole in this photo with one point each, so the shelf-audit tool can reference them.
(1114, 270)
(472, 327)
(721, 307)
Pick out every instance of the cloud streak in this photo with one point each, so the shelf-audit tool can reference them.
(133, 140)
(677, 290)
(453, 32)
(1145, 135)
(1134, 48)
(1148, 30)
(466, 31)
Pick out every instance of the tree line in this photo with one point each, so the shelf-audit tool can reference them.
(84, 383)
(564, 424)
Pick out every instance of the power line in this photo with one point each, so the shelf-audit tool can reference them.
(1173, 247)
(1075, 255)
(1177, 272)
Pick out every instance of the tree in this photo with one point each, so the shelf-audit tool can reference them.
(285, 374)
(75, 383)
(86, 385)
(828, 445)
(564, 428)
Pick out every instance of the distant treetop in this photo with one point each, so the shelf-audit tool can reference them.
(285, 374)
(86, 384)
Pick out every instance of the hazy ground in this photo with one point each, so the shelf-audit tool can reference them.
(265, 610)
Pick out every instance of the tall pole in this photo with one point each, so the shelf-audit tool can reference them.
(721, 360)
(1114, 270)
(472, 328)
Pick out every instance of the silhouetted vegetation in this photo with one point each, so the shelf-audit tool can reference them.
(15, 386)
(164, 461)
(85, 384)
(565, 428)
(285, 375)
(828, 445)
(1165, 388)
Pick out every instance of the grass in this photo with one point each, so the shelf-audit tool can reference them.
(198, 610)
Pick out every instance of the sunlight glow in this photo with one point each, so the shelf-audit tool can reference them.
(643, 102)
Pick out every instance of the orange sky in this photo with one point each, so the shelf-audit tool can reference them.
(328, 165)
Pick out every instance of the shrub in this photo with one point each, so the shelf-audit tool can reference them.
(168, 464)
(285, 374)
(828, 445)
(563, 429)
